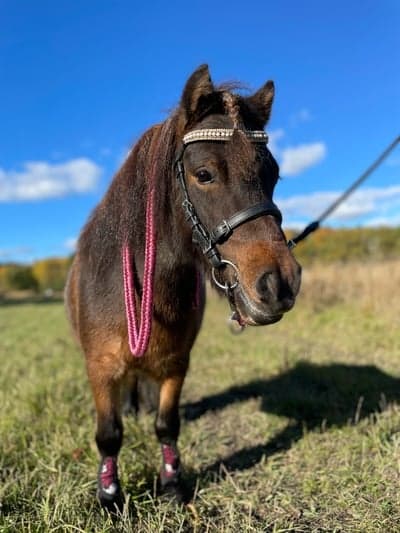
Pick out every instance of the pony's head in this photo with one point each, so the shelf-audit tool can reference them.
(228, 176)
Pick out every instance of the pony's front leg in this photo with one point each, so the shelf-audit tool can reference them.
(109, 433)
(167, 425)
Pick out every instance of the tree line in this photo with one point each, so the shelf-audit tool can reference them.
(47, 274)
(329, 245)
(326, 245)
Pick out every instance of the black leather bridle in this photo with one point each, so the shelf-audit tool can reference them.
(207, 240)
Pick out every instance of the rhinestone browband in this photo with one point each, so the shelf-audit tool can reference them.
(223, 134)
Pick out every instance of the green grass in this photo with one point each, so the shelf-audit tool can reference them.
(292, 427)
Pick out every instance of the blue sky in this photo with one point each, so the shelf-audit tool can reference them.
(80, 81)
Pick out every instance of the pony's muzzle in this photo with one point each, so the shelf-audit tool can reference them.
(275, 291)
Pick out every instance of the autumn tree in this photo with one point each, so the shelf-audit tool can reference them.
(51, 273)
(17, 277)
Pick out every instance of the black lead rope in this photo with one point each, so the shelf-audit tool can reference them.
(316, 224)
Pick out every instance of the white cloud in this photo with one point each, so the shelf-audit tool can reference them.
(273, 138)
(71, 243)
(382, 203)
(295, 160)
(41, 180)
(370, 200)
(388, 221)
(306, 205)
(303, 115)
(7, 254)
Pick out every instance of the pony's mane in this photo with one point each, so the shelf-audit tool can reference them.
(152, 158)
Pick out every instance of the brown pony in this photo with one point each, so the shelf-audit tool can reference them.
(231, 178)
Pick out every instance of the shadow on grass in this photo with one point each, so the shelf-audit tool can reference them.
(311, 396)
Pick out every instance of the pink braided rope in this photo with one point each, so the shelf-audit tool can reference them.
(139, 336)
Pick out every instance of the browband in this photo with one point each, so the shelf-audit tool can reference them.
(223, 134)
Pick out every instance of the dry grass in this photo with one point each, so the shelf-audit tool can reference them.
(371, 286)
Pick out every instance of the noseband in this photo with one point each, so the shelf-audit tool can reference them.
(201, 236)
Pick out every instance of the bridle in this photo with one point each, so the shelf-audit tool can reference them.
(207, 240)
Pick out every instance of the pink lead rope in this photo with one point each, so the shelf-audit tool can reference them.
(139, 335)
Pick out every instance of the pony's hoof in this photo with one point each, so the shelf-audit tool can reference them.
(175, 492)
(114, 503)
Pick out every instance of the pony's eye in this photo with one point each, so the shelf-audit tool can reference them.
(203, 176)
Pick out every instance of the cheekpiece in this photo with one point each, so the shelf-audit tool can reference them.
(223, 134)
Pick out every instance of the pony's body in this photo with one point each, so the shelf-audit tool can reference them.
(95, 288)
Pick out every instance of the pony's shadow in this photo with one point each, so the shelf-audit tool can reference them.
(311, 396)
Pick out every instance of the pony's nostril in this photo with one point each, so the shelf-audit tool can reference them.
(271, 288)
(285, 293)
(268, 285)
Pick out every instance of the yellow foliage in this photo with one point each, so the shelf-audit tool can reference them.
(51, 273)
(329, 245)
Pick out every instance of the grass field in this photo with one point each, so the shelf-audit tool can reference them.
(291, 427)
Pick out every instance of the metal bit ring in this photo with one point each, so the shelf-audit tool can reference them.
(227, 286)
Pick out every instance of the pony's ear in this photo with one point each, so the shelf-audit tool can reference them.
(198, 87)
(262, 100)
